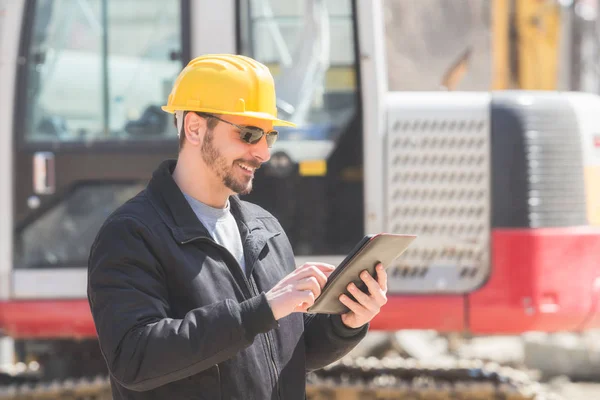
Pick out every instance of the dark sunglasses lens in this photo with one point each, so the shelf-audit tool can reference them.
(251, 135)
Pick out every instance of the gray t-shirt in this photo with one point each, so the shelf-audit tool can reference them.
(222, 227)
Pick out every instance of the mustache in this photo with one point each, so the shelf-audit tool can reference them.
(251, 163)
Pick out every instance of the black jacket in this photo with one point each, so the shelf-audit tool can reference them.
(177, 318)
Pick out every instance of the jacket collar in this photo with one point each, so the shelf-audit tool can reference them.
(178, 215)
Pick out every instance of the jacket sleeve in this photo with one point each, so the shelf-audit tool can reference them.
(143, 347)
(327, 339)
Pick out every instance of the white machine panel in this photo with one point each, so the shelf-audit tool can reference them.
(437, 185)
(10, 18)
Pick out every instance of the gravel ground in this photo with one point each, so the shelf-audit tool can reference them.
(577, 390)
(563, 355)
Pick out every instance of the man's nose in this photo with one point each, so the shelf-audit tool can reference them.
(261, 150)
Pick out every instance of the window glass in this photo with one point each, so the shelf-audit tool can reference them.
(63, 236)
(100, 69)
(309, 48)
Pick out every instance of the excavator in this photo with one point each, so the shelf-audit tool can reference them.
(470, 124)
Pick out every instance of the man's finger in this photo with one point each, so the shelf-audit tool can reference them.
(306, 300)
(382, 277)
(309, 283)
(312, 272)
(327, 273)
(325, 269)
(352, 305)
(319, 272)
(364, 299)
(375, 289)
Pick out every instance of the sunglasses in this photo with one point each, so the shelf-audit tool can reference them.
(248, 133)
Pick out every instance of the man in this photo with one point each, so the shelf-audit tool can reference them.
(194, 293)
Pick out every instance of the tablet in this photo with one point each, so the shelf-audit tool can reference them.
(372, 249)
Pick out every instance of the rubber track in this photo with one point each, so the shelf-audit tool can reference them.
(81, 389)
(408, 379)
(353, 379)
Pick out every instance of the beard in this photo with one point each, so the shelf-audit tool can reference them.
(226, 172)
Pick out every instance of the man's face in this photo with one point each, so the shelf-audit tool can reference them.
(232, 160)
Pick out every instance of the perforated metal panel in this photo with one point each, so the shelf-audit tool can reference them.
(438, 187)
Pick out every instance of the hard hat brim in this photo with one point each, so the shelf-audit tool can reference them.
(249, 114)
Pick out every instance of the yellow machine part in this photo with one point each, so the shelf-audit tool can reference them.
(526, 44)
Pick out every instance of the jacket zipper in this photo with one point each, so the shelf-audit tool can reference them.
(252, 291)
(219, 380)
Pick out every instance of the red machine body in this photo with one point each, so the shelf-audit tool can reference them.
(541, 280)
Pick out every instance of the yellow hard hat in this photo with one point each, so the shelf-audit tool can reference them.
(226, 84)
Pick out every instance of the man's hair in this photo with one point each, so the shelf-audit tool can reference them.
(210, 124)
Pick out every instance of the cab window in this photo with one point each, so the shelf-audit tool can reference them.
(310, 49)
(99, 70)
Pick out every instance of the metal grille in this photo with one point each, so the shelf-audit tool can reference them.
(438, 188)
(554, 159)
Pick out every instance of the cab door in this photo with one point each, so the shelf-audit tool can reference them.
(89, 131)
(314, 180)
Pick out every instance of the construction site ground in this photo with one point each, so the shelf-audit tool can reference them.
(578, 391)
(567, 364)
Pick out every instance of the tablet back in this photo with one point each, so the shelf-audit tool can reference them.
(383, 247)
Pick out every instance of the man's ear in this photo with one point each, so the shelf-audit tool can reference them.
(194, 128)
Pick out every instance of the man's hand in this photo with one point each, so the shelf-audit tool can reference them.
(298, 290)
(368, 305)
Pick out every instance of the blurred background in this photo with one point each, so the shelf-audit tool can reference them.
(471, 123)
